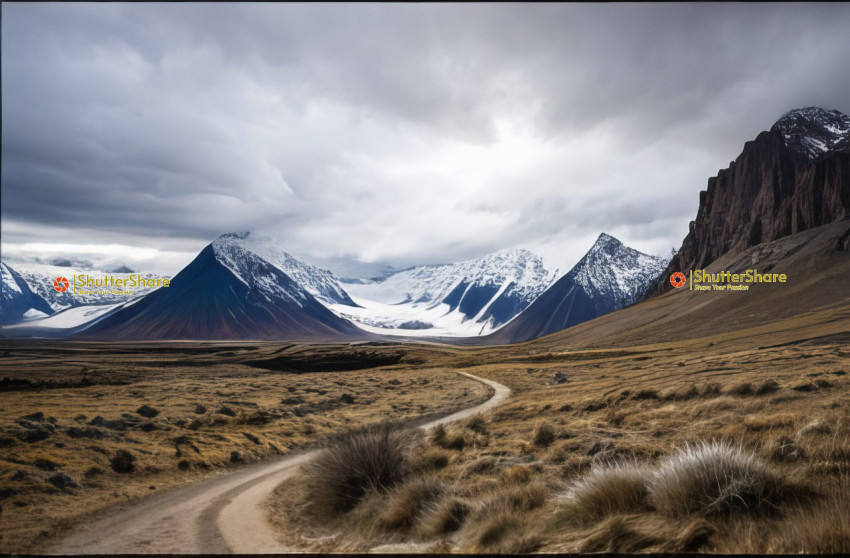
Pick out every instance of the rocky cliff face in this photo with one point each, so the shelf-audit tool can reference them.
(792, 178)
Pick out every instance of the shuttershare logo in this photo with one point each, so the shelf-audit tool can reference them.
(702, 280)
(678, 279)
(84, 284)
(61, 284)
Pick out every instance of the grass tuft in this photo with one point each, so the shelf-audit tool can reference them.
(607, 490)
(711, 479)
(358, 463)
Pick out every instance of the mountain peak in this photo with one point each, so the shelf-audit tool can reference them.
(813, 131)
(606, 240)
(235, 249)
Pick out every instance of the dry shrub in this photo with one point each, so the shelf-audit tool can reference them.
(607, 490)
(741, 390)
(443, 517)
(767, 387)
(359, 462)
(408, 501)
(544, 435)
(711, 479)
(451, 440)
(430, 459)
(684, 393)
(123, 462)
(477, 424)
(645, 394)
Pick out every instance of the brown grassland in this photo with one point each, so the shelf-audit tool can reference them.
(76, 407)
(689, 422)
(736, 442)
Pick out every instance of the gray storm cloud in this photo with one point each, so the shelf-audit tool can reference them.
(403, 133)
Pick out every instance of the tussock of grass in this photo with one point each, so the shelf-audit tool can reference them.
(443, 517)
(430, 459)
(503, 533)
(356, 464)
(711, 479)
(477, 424)
(407, 502)
(544, 435)
(606, 490)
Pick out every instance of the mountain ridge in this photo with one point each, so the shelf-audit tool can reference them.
(779, 185)
(610, 276)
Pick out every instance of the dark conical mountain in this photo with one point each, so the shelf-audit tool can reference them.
(609, 277)
(790, 179)
(227, 292)
(17, 301)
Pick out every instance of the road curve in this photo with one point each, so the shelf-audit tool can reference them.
(222, 514)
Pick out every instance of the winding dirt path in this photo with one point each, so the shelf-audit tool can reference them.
(223, 514)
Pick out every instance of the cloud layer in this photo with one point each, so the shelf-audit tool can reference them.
(400, 133)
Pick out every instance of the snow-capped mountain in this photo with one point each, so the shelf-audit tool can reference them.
(472, 297)
(609, 277)
(17, 301)
(40, 277)
(320, 283)
(227, 292)
(814, 131)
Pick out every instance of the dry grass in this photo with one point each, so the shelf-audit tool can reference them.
(356, 464)
(615, 489)
(712, 479)
(500, 491)
(80, 429)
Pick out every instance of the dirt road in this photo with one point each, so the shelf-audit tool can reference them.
(223, 514)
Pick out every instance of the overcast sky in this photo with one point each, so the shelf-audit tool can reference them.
(412, 133)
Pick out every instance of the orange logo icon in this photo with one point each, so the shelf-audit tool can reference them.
(678, 279)
(61, 284)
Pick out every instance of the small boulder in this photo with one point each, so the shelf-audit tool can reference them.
(123, 462)
(147, 411)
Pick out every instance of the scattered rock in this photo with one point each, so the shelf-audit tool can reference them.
(147, 427)
(297, 400)
(559, 378)
(61, 480)
(38, 416)
(123, 462)
(200, 410)
(236, 457)
(32, 436)
(147, 411)
(346, 398)
(85, 432)
(46, 464)
(226, 411)
(6, 442)
(118, 424)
